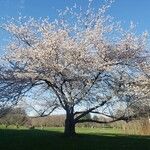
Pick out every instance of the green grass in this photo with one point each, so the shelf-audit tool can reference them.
(87, 139)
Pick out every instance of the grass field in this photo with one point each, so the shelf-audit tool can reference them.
(87, 139)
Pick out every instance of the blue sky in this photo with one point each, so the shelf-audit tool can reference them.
(125, 11)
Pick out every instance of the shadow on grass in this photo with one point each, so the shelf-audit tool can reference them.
(52, 140)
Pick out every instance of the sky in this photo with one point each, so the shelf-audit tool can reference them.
(125, 11)
(137, 11)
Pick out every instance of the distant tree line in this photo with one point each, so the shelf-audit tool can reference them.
(16, 117)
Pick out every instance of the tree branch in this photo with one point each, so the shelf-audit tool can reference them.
(107, 121)
(89, 110)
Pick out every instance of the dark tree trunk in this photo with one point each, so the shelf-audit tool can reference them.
(69, 125)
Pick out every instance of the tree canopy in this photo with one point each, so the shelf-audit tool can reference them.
(87, 63)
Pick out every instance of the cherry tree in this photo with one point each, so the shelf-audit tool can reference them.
(84, 62)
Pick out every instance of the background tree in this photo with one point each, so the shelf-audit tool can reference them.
(86, 65)
(95, 117)
(15, 116)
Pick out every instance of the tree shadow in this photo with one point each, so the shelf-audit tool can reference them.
(11, 139)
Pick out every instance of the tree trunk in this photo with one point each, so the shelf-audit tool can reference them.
(69, 125)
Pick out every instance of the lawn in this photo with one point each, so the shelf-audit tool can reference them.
(87, 139)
